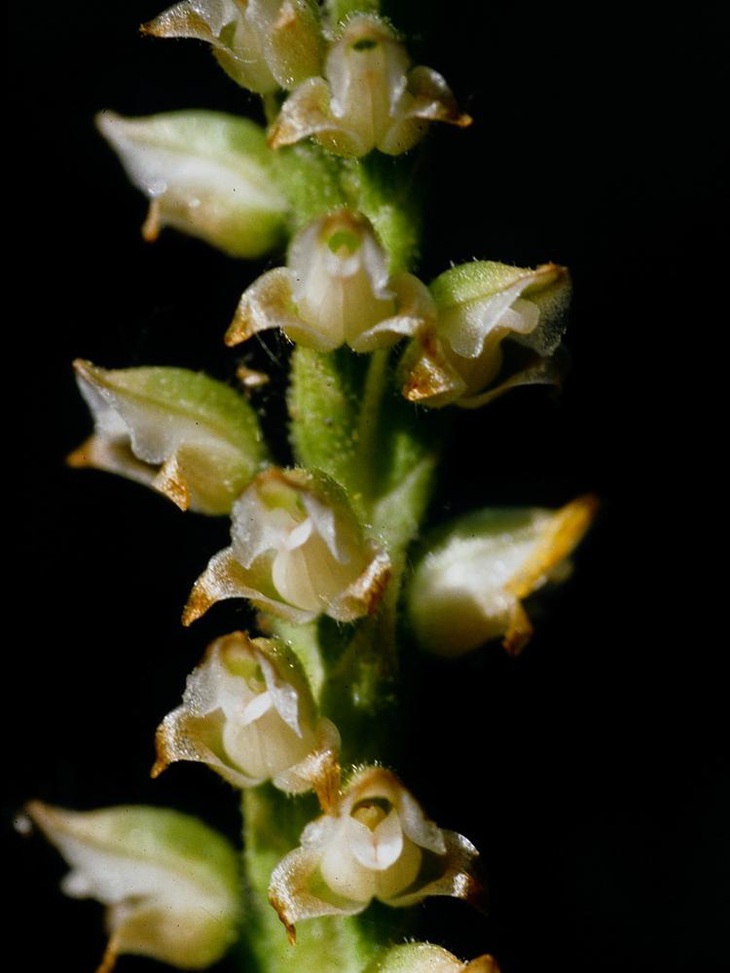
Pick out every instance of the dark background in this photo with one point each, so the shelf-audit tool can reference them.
(592, 772)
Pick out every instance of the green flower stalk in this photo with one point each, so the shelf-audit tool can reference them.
(336, 548)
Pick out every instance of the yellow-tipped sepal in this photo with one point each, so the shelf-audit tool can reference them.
(469, 585)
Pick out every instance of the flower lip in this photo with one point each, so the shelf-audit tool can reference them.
(374, 843)
(248, 713)
(335, 289)
(297, 551)
(369, 96)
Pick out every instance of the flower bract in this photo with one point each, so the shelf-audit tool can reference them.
(415, 957)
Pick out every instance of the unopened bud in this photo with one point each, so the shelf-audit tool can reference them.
(170, 884)
(469, 584)
(206, 174)
(186, 435)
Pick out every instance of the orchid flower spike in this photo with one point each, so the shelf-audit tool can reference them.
(297, 551)
(376, 843)
(369, 98)
(248, 713)
(336, 289)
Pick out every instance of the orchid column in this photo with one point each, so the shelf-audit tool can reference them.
(332, 548)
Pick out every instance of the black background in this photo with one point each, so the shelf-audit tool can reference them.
(592, 772)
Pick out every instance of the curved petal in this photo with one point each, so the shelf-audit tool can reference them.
(291, 895)
(307, 112)
(428, 96)
(266, 304)
(415, 311)
(455, 875)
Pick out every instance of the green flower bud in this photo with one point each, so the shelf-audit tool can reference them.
(376, 843)
(192, 438)
(428, 958)
(297, 551)
(206, 174)
(248, 713)
(264, 45)
(336, 289)
(468, 586)
(169, 882)
(369, 98)
(481, 308)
